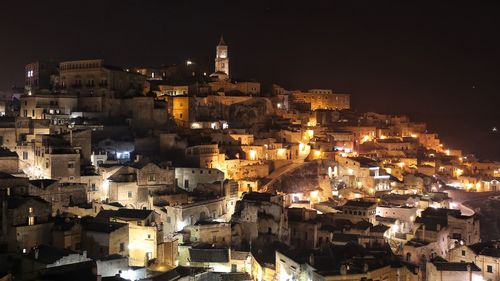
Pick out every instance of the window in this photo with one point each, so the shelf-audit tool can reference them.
(463, 253)
(30, 210)
(71, 165)
(31, 220)
(151, 177)
(168, 219)
(489, 268)
(122, 247)
(92, 187)
(130, 194)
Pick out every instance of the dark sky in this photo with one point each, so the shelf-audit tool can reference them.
(437, 61)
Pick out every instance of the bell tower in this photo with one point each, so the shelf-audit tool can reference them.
(221, 57)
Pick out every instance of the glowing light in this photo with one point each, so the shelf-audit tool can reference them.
(383, 137)
(213, 125)
(350, 171)
(129, 274)
(447, 152)
(365, 138)
(181, 225)
(188, 62)
(281, 152)
(317, 153)
(459, 172)
(414, 136)
(279, 105)
(401, 164)
(302, 146)
(195, 125)
(253, 154)
(310, 133)
(314, 194)
(395, 227)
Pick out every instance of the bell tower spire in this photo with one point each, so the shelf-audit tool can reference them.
(221, 57)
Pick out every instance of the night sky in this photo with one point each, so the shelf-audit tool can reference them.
(437, 61)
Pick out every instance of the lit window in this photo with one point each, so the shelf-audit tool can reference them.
(31, 220)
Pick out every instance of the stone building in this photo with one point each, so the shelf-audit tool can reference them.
(25, 222)
(322, 99)
(189, 178)
(45, 257)
(209, 232)
(55, 158)
(175, 218)
(67, 234)
(9, 161)
(50, 106)
(451, 271)
(59, 194)
(95, 77)
(39, 75)
(259, 215)
(486, 255)
(144, 232)
(357, 210)
(102, 239)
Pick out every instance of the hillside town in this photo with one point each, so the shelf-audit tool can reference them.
(178, 172)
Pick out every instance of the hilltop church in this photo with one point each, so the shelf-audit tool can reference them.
(222, 83)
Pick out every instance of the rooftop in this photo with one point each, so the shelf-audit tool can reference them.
(102, 227)
(359, 203)
(125, 214)
(455, 266)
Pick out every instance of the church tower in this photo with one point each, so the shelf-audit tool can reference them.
(221, 58)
